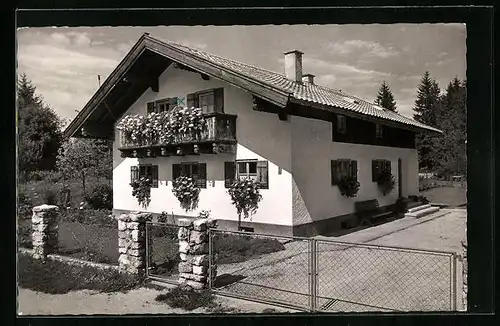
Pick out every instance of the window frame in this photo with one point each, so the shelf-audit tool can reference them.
(210, 92)
(379, 166)
(342, 167)
(261, 170)
(196, 177)
(141, 170)
(341, 124)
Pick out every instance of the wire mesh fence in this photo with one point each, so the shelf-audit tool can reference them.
(322, 275)
(357, 277)
(162, 251)
(262, 267)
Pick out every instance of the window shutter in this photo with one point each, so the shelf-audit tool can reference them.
(334, 171)
(388, 166)
(134, 173)
(192, 100)
(154, 176)
(375, 170)
(263, 174)
(176, 171)
(229, 173)
(354, 169)
(201, 181)
(219, 100)
(172, 102)
(150, 107)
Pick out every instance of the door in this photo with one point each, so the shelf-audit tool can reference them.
(400, 178)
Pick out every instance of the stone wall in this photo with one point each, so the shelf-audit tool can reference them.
(132, 242)
(45, 224)
(193, 250)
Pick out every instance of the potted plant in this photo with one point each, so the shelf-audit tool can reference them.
(245, 197)
(386, 182)
(348, 186)
(141, 189)
(186, 191)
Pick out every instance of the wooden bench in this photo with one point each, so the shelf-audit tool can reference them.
(369, 212)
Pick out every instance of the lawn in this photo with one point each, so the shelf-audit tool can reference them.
(452, 196)
(55, 277)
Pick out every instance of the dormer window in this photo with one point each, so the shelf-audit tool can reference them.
(379, 131)
(341, 124)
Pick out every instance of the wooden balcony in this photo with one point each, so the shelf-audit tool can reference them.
(218, 137)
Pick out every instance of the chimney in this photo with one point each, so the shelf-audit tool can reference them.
(293, 65)
(308, 78)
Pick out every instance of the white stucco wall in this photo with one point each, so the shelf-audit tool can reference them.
(260, 136)
(312, 150)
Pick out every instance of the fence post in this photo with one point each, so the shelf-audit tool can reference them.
(313, 274)
(132, 242)
(195, 269)
(44, 224)
(455, 294)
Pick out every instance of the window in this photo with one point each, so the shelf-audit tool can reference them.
(147, 171)
(341, 124)
(195, 170)
(379, 131)
(343, 168)
(163, 105)
(379, 166)
(209, 100)
(247, 169)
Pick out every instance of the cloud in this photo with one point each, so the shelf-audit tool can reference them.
(363, 48)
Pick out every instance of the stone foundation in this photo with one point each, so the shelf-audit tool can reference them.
(132, 242)
(45, 223)
(193, 250)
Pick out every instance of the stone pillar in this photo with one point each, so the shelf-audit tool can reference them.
(45, 223)
(132, 242)
(464, 274)
(193, 251)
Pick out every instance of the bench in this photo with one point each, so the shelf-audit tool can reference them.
(369, 212)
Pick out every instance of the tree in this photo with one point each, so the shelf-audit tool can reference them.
(81, 158)
(451, 147)
(385, 98)
(39, 130)
(427, 110)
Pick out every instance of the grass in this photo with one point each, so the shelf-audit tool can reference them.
(55, 277)
(186, 298)
(90, 242)
(233, 248)
(452, 196)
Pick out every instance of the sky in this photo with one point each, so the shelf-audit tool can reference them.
(63, 63)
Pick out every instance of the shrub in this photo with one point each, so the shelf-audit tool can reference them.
(348, 186)
(56, 277)
(401, 205)
(24, 235)
(40, 175)
(186, 298)
(100, 217)
(232, 248)
(100, 197)
(50, 196)
(386, 182)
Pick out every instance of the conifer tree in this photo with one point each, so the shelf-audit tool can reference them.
(385, 98)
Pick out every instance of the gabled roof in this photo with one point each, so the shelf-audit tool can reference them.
(269, 85)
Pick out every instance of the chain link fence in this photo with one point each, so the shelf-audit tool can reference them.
(162, 252)
(322, 275)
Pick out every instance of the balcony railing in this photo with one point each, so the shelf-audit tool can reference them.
(220, 129)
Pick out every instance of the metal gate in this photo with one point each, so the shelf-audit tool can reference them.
(162, 252)
(322, 275)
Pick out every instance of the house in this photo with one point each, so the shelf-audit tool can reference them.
(295, 137)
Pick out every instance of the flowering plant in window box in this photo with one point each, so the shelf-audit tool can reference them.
(187, 192)
(141, 189)
(348, 186)
(245, 197)
(386, 182)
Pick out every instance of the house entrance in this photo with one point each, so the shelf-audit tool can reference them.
(400, 178)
